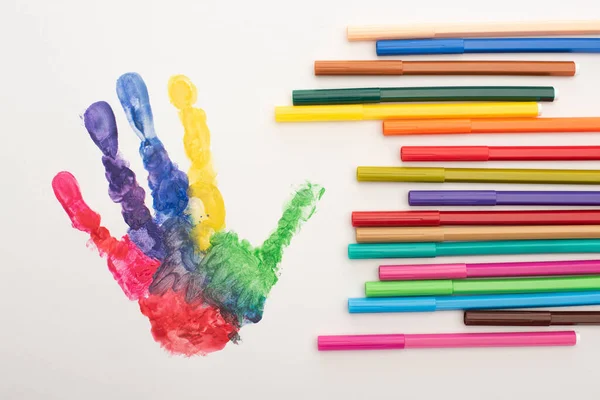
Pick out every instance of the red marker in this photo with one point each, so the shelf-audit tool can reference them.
(443, 218)
(500, 153)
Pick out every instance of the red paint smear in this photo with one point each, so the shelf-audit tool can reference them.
(184, 328)
(131, 268)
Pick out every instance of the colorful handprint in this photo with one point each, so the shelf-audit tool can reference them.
(196, 283)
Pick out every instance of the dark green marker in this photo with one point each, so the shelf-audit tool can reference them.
(423, 94)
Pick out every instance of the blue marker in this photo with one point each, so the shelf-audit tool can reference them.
(494, 45)
(446, 303)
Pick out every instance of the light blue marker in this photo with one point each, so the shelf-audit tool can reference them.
(447, 303)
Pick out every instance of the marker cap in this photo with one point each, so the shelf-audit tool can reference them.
(400, 174)
(336, 96)
(408, 288)
(361, 342)
(422, 271)
(448, 153)
(452, 197)
(420, 46)
(426, 127)
(359, 67)
(395, 218)
(391, 250)
(391, 304)
(319, 113)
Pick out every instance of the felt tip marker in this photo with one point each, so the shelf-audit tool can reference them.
(409, 272)
(489, 126)
(479, 175)
(499, 153)
(530, 318)
(472, 218)
(369, 305)
(485, 45)
(451, 249)
(470, 286)
(423, 94)
(502, 198)
(446, 340)
(395, 234)
(462, 67)
(472, 29)
(360, 112)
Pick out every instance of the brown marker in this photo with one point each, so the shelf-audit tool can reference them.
(531, 318)
(397, 67)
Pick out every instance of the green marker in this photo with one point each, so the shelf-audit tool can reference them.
(423, 94)
(482, 286)
(446, 249)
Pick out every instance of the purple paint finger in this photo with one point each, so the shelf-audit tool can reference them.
(123, 188)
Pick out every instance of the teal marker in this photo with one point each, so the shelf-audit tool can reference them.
(447, 249)
(423, 94)
(481, 286)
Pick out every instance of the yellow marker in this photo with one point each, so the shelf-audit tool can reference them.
(202, 176)
(358, 112)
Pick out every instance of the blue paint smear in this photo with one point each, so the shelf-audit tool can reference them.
(168, 184)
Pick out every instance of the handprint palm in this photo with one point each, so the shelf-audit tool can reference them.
(197, 284)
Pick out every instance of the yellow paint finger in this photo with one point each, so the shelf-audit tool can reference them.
(210, 215)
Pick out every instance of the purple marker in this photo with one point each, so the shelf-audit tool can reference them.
(505, 198)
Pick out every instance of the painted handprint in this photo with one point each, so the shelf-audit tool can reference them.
(196, 283)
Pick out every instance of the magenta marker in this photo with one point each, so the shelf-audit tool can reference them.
(447, 340)
(487, 270)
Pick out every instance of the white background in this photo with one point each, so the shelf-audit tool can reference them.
(67, 331)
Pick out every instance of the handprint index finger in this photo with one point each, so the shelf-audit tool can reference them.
(202, 176)
(100, 123)
(168, 184)
(131, 268)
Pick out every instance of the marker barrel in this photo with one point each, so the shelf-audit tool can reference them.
(502, 198)
(398, 67)
(530, 318)
(445, 340)
(423, 94)
(488, 126)
(358, 112)
(411, 272)
(487, 29)
(471, 218)
(364, 305)
(487, 45)
(482, 286)
(482, 175)
(499, 153)
(394, 234)
(452, 249)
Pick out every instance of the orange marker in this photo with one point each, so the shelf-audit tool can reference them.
(493, 125)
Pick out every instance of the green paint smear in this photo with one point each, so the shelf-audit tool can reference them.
(239, 276)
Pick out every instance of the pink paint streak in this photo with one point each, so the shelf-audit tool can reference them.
(131, 268)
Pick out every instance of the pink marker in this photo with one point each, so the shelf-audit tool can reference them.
(447, 340)
(487, 270)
